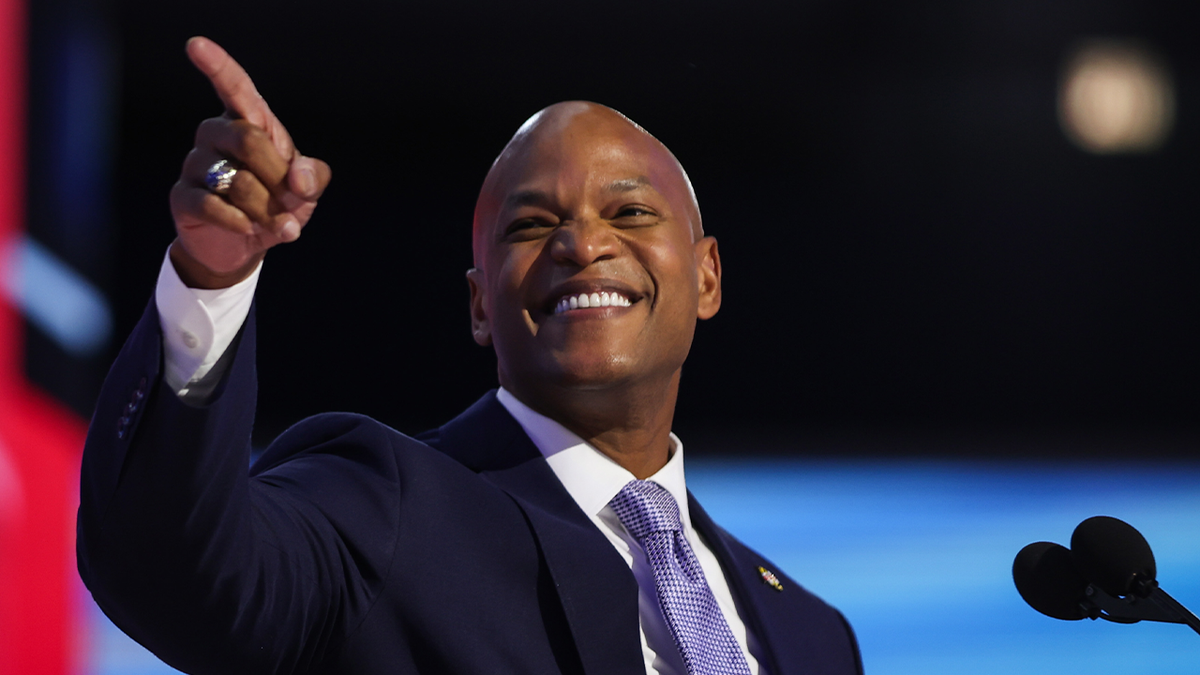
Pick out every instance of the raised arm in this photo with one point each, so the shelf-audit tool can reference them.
(213, 569)
(222, 237)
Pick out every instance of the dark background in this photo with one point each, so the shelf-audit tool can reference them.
(916, 258)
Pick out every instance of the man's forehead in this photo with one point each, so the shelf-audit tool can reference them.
(581, 144)
(580, 140)
(577, 142)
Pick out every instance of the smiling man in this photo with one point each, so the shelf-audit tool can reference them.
(547, 529)
(592, 269)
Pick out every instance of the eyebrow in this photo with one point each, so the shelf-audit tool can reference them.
(539, 198)
(527, 198)
(627, 184)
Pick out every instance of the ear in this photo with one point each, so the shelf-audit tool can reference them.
(708, 265)
(481, 329)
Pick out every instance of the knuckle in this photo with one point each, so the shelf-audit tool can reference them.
(176, 201)
(178, 198)
(289, 202)
(244, 186)
(250, 208)
(209, 129)
(240, 145)
(251, 146)
(248, 136)
(195, 164)
(212, 208)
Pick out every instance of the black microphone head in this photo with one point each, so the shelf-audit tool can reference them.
(1114, 556)
(1048, 580)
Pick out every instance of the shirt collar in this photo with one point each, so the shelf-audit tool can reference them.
(590, 477)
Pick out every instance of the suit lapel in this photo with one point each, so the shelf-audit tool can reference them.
(739, 572)
(597, 590)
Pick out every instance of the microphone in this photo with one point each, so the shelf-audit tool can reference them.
(1114, 556)
(1108, 573)
(1047, 579)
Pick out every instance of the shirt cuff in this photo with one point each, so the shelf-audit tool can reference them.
(198, 324)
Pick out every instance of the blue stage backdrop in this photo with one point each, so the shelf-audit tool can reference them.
(918, 554)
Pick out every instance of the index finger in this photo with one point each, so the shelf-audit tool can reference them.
(231, 82)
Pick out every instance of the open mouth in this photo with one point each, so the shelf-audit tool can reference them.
(590, 297)
(589, 300)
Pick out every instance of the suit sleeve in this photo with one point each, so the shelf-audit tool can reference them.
(216, 567)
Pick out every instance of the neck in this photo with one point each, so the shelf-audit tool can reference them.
(631, 425)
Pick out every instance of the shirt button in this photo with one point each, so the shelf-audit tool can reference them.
(189, 340)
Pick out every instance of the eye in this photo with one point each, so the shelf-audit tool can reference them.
(635, 212)
(526, 228)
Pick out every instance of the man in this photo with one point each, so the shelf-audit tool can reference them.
(520, 537)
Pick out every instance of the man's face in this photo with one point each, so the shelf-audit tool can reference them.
(587, 207)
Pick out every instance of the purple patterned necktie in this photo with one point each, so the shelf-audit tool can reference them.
(707, 645)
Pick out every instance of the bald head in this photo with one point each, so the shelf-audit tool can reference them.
(575, 138)
(591, 268)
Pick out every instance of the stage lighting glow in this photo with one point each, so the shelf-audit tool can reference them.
(55, 298)
(1115, 97)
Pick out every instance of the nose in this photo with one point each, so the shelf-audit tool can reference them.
(583, 242)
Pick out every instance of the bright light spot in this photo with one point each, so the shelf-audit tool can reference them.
(1115, 97)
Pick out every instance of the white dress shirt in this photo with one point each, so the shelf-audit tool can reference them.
(199, 325)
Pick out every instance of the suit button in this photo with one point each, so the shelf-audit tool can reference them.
(122, 427)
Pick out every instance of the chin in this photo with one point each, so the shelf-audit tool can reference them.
(586, 373)
(592, 376)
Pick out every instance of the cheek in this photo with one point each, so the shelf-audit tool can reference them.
(509, 284)
(508, 280)
(673, 267)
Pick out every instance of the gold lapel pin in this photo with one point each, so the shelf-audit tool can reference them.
(769, 578)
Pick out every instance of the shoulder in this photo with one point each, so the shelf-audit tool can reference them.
(338, 438)
(362, 477)
(799, 626)
(802, 627)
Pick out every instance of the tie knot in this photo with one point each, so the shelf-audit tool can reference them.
(645, 507)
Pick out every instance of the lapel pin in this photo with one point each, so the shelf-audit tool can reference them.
(769, 578)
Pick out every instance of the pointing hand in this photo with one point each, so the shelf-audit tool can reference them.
(222, 238)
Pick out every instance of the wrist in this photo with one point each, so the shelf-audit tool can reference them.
(195, 274)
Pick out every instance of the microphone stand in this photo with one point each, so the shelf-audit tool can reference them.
(1156, 605)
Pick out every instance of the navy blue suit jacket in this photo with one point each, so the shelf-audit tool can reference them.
(349, 547)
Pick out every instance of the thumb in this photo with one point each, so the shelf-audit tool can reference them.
(308, 177)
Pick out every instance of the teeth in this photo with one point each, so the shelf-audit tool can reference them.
(586, 300)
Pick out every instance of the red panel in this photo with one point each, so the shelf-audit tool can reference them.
(37, 540)
(12, 161)
(39, 441)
